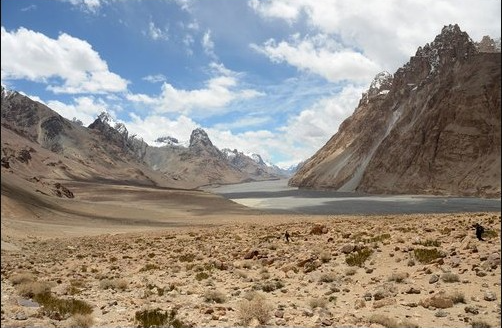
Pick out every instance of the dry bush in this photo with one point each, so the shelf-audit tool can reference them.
(318, 303)
(116, 284)
(427, 255)
(450, 277)
(358, 258)
(398, 277)
(390, 322)
(328, 277)
(480, 324)
(22, 277)
(31, 288)
(214, 296)
(458, 297)
(256, 308)
(81, 321)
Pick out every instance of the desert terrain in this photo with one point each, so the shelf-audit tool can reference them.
(120, 255)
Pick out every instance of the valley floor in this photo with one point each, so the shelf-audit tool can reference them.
(217, 263)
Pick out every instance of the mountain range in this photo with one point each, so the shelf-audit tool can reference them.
(45, 149)
(432, 127)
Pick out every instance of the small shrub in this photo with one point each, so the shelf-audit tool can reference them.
(350, 271)
(328, 277)
(257, 308)
(22, 277)
(215, 296)
(157, 318)
(490, 234)
(81, 321)
(450, 277)
(325, 257)
(115, 284)
(201, 276)
(65, 307)
(32, 288)
(187, 257)
(378, 238)
(270, 285)
(383, 320)
(480, 324)
(458, 297)
(318, 303)
(358, 258)
(148, 267)
(430, 243)
(427, 255)
(398, 277)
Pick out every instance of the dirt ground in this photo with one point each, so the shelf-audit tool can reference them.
(125, 249)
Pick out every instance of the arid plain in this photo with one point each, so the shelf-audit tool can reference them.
(124, 249)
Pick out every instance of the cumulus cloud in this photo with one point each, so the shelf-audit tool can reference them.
(386, 32)
(154, 126)
(85, 109)
(31, 55)
(219, 91)
(321, 55)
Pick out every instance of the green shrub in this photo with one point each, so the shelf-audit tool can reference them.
(157, 318)
(427, 255)
(358, 258)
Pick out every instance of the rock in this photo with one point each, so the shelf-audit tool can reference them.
(433, 279)
(359, 303)
(307, 312)
(20, 316)
(347, 248)
(251, 254)
(441, 314)
(439, 301)
(490, 296)
(471, 309)
(279, 314)
(412, 290)
(383, 302)
(326, 322)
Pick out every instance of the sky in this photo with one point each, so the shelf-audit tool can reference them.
(272, 77)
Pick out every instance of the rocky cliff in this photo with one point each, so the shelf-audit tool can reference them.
(431, 128)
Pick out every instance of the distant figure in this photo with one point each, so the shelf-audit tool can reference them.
(479, 231)
(286, 236)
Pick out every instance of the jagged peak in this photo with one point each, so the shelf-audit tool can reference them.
(487, 44)
(199, 137)
(107, 120)
(6, 93)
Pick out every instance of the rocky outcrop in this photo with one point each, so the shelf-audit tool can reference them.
(434, 128)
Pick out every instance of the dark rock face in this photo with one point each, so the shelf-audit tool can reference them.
(436, 131)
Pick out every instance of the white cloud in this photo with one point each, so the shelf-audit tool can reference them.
(91, 6)
(154, 78)
(156, 33)
(33, 56)
(219, 91)
(321, 55)
(86, 109)
(208, 44)
(155, 126)
(387, 32)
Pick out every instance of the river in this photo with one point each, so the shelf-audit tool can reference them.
(276, 196)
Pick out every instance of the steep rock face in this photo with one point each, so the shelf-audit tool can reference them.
(435, 131)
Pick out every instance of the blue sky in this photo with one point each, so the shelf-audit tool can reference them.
(274, 77)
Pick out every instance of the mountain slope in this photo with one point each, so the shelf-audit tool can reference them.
(432, 128)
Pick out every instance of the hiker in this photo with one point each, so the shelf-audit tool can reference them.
(286, 236)
(479, 231)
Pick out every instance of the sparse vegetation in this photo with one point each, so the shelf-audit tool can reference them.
(157, 318)
(148, 267)
(116, 284)
(256, 308)
(201, 276)
(450, 277)
(65, 307)
(359, 257)
(480, 324)
(81, 321)
(429, 243)
(398, 277)
(427, 255)
(318, 303)
(214, 296)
